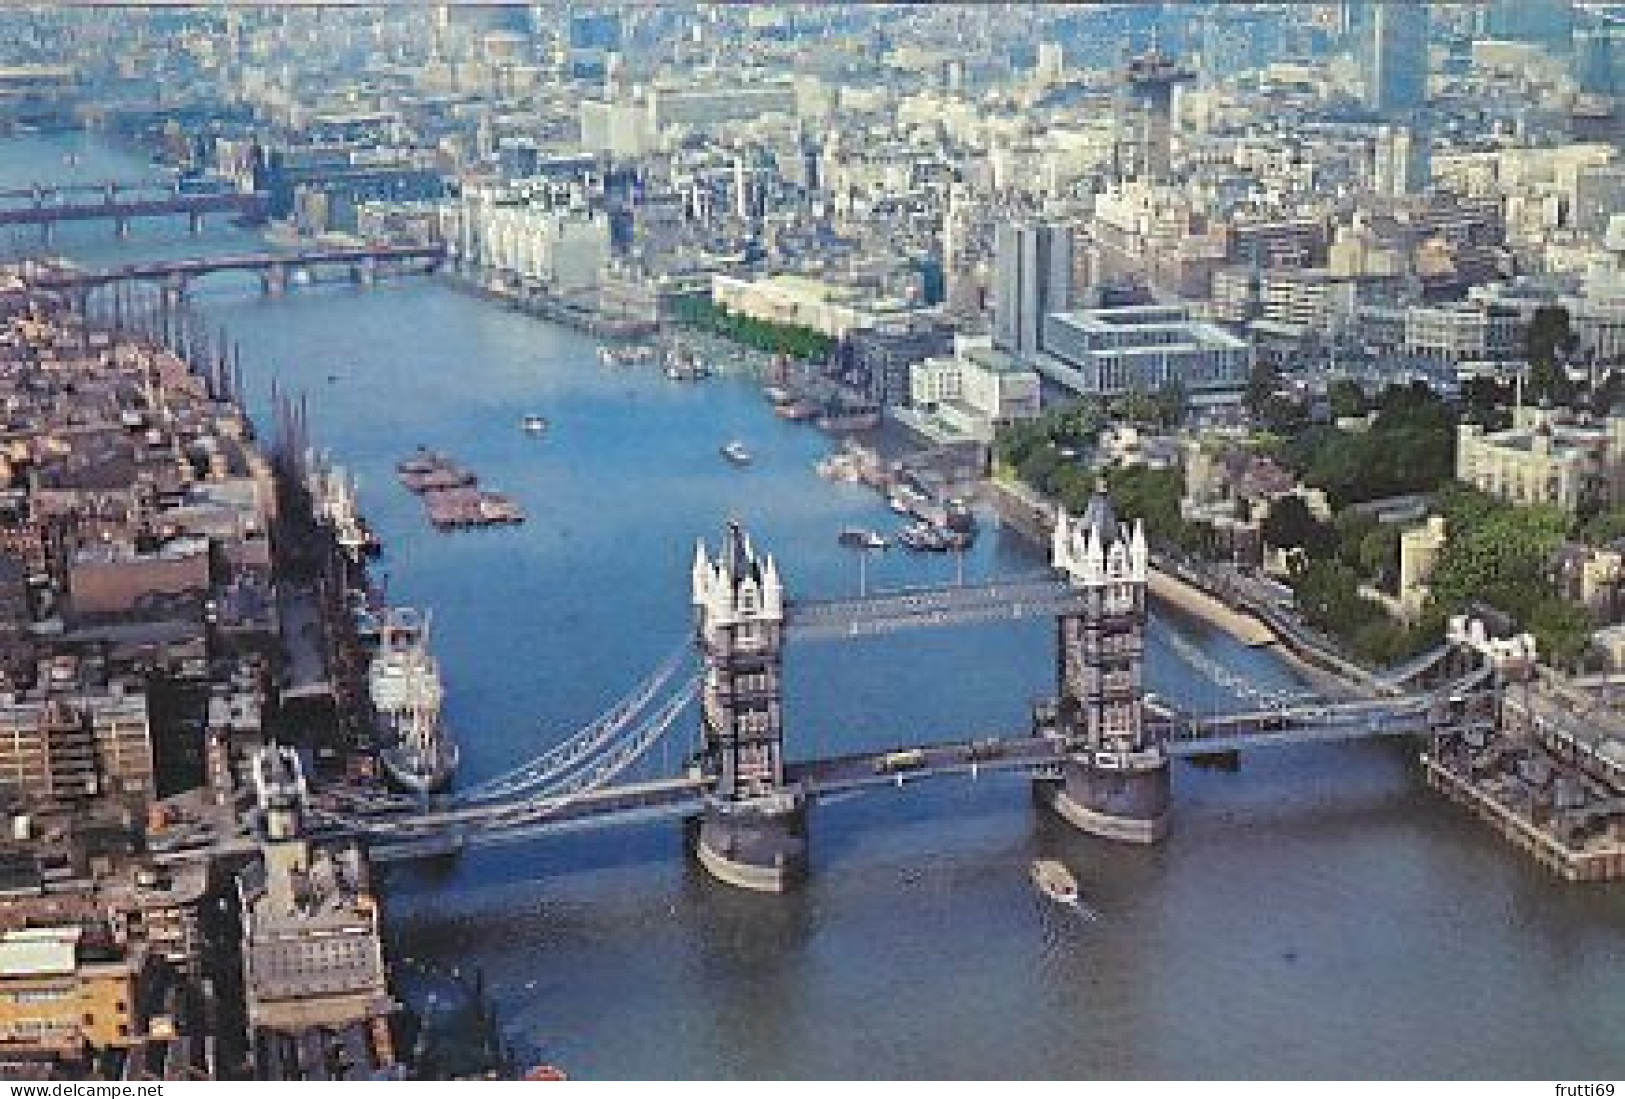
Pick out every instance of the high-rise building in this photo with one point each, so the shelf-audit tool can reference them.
(1395, 57)
(1403, 160)
(1051, 66)
(1600, 60)
(1149, 87)
(1032, 278)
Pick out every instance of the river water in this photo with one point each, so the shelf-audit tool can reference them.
(1317, 913)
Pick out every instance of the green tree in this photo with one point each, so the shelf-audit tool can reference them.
(1378, 555)
(1291, 525)
(1346, 398)
(1604, 527)
(1138, 406)
(1171, 401)
(1547, 344)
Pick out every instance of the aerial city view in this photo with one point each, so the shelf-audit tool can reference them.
(677, 541)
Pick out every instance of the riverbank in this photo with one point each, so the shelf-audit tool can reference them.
(1032, 516)
(1192, 600)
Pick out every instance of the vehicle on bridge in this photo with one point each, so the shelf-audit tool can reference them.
(900, 761)
(990, 748)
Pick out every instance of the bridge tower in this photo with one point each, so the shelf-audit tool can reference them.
(1114, 780)
(753, 831)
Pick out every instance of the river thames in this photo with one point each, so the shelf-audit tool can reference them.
(1315, 914)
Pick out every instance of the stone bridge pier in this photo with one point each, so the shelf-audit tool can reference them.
(175, 288)
(1114, 780)
(753, 831)
(274, 279)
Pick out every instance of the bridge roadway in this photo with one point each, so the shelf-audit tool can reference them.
(248, 205)
(66, 278)
(885, 612)
(393, 834)
(40, 191)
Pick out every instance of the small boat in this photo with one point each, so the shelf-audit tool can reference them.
(860, 538)
(922, 538)
(1055, 881)
(534, 424)
(736, 453)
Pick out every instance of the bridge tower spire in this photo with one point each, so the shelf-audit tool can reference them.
(753, 831)
(1115, 778)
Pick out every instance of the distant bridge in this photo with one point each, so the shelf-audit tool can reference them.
(46, 210)
(362, 263)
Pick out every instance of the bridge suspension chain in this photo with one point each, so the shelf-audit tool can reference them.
(538, 806)
(581, 744)
(1232, 681)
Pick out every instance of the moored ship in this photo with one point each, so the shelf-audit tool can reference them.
(403, 681)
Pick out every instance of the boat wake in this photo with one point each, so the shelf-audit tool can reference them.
(1083, 911)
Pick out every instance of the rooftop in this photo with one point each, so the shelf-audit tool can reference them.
(39, 951)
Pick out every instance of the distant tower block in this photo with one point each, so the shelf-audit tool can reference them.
(753, 832)
(1114, 780)
(1149, 85)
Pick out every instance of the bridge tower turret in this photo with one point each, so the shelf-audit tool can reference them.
(1115, 778)
(753, 831)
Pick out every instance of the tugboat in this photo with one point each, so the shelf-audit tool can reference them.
(403, 681)
(1055, 881)
(736, 453)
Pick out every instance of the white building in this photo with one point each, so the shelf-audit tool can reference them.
(704, 107)
(621, 129)
(969, 395)
(1141, 347)
(825, 307)
(1308, 300)
(1463, 332)
(564, 248)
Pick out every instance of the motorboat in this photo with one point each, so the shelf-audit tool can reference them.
(1055, 881)
(534, 424)
(860, 538)
(736, 453)
(922, 538)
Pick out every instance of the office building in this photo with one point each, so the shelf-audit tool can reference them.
(1395, 57)
(1141, 348)
(1032, 278)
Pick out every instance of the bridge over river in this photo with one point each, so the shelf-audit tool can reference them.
(122, 202)
(1099, 753)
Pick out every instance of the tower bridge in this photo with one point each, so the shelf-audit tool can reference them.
(1098, 754)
